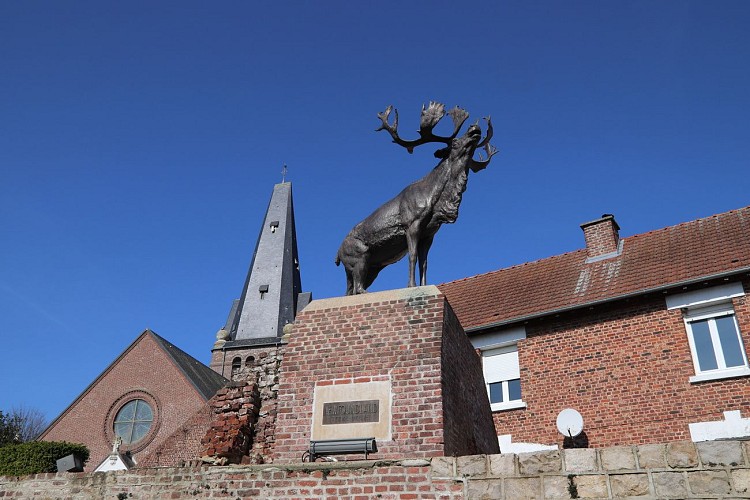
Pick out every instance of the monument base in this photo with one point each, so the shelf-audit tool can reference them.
(394, 365)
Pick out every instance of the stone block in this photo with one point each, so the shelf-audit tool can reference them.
(502, 465)
(629, 485)
(485, 489)
(617, 458)
(472, 465)
(556, 487)
(443, 466)
(539, 462)
(523, 488)
(580, 460)
(741, 480)
(682, 455)
(709, 482)
(415, 462)
(591, 486)
(651, 456)
(670, 484)
(720, 453)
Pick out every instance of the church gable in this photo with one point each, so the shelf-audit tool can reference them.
(146, 393)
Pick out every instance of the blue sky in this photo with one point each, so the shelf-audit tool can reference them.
(140, 141)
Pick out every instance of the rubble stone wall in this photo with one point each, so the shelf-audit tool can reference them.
(235, 412)
(261, 365)
(267, 366)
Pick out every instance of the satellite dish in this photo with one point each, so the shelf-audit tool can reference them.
(569, 423)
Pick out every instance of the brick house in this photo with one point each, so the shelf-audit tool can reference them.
(645, 336)
(145, 395)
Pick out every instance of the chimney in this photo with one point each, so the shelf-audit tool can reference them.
(602, 236)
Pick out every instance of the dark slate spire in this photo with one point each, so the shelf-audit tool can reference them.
(270, 295)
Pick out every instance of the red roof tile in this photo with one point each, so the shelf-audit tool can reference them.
(687, 252)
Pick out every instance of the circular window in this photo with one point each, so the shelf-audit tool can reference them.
(133, 421)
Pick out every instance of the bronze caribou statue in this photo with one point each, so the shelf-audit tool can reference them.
(408, 222)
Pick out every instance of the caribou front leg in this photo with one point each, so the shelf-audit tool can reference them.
(422, 250)
(412, 241)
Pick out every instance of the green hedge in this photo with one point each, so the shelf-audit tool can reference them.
(36, 456)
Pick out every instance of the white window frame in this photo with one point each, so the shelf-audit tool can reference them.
(708, 304)
(711, 313)
(497, 343)
(506, 404)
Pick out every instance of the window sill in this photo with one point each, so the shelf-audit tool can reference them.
(742, 371)
(510, 405)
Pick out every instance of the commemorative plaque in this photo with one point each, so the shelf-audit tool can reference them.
(350, 410)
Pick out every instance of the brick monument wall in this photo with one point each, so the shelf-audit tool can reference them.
(398, 338)
(468, 427)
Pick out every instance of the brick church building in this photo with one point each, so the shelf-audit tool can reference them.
(645, 337)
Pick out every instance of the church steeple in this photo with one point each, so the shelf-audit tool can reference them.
(269, 298)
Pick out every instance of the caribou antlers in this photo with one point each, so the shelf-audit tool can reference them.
(477, 165)
(430, 117)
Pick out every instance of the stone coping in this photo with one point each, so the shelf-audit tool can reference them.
(670, 457)
(373, 298)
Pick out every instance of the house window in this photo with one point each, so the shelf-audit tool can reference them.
(712, 331)
(133, 421)
(715, 343)
(502, 377)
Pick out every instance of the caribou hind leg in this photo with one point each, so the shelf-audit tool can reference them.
(359, 278)
(349, 283)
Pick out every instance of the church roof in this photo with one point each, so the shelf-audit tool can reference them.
(690, 252)
(204, 379)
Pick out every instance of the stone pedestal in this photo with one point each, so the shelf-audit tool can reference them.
(392, 365)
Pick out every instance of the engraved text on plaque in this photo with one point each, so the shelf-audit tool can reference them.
(351, 412)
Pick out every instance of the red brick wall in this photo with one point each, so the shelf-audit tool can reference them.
(184, 445)
(467, 419)
(625, 367)
(387, 337)
(235, 411)
(144, 371)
